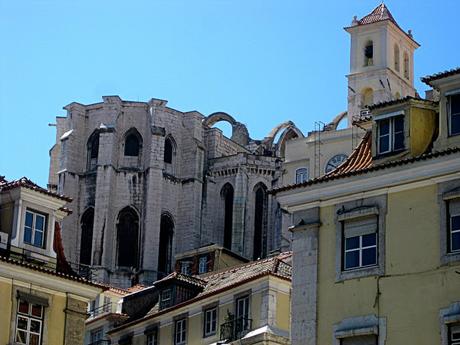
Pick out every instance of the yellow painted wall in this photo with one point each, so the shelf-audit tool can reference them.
(414, 287)
(5, 314)
(56, 319)
(423, 123)
(283, 311)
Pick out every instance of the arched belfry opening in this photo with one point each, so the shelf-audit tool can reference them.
(227, 194)
(260, 221)
(86, 238)
(128, 238)
(133, 143)
(169, 156)
(92, 147)
(166, 243)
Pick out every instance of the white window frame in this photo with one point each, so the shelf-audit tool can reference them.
(152, 338)
(180, 332)
(29, 317)
(301, 175)
(210, 318)
(449, 110)
(202, 264)
(391, 134)
(360, 249)
(246, 310)
(186, 267)
(169, 299)
(450, 333)
(452, 231)
(34, 230)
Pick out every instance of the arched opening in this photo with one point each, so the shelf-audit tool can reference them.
(128, 238)
(260, 221)
(133, 143)
(226, 128)
(227, 194)
(369, 53)
(86, 239)
(406, 65)
(169, 155)
(368, 97)
(396, 57)
(92, 151)
(165, 247)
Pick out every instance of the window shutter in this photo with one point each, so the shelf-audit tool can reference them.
(360, 226)
(454, 207)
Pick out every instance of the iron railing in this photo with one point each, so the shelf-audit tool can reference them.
(106, 308)
(235, 329)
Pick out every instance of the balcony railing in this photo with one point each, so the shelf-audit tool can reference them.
(106, 308)
(235, 329)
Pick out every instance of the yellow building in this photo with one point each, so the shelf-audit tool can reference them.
(247, 303)
(376, 243)
(42, 301)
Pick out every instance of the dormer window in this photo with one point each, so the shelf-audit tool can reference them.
(301, 175)
(369, 54)
(453, 109)
(166, 298)
(390, 134)
(186, 267)
(34, 229)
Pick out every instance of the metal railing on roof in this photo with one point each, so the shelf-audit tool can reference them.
(235, 329)
(106, 308)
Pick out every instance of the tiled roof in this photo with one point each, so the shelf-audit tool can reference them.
(399, 101)
(429, 78)
(360, 162)
(26, 183)
(378, 14)
(183, 278)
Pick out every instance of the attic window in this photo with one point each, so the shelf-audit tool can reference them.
(369, 54)
(390, 134)
(453, 107)
(166, 298)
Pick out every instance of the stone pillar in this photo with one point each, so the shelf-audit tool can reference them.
(151, 231)
(268, 308)
(75, 316)
(304, 278)
(239, 208)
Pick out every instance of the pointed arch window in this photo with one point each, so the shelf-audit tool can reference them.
(396, 57)
(406, 66)
(165, 247)
(133, 143)
(369, 54)
(227, 194)
(128, 238)
(169, 150)
(260, 221)
(86, 239)
(92, 151)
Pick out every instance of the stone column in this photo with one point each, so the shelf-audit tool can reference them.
(305, 278)
(75, 315)
(239, 208)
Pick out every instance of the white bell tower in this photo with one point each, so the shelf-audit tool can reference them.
(381, 61)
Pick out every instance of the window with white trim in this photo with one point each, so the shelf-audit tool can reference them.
(203, 264)
(29, 323)
(301, 175)
(453, 107)
(35, 229)
(242, 313)
(390, 134)
(152, 338)
(180, 332)
(454, 225)
(186, 267)
(454, 334)
(210, 321)
(360, 243)
(166, 298)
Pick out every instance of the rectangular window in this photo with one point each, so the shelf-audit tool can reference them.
(454, 114)
(360, 243)
(34, 229)
(390, 134)
(210, 321)
(203, 264)
(454, 334)
(29, 323)
(96, 336)
(454, 225)
(242, 313)
(180, 332)
(186, 267)
(166, 298)
(360, 340)
(301, 175)
(152, 338)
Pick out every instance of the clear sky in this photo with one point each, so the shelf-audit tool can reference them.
(262, 61)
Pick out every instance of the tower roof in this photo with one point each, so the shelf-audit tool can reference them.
(378, 14)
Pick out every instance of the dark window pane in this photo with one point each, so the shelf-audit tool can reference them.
(455, 124)
(399, 123)
(455, 104)
(384, 127)
(38, 240)
(37, 310)
(39, 222)
(27, 235)
(352, 259)
(384, 144)
(352, 242)
(34, 339)
(369, 256)
(29, 219)
(399, 141)
(24, 307)
(456, 241)
(132, 146)
(168, 154)
(21, 337)
(369, 240)
(35, 326)
(455, 223)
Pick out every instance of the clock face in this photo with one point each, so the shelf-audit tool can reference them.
(334, 162)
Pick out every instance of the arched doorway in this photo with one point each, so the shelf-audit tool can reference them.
(128, 238)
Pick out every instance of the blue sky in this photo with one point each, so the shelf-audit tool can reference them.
(262, 61)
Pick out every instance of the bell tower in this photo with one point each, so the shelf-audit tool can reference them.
(381, 61)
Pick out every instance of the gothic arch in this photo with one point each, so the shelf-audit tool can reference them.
(92, 150)
(260, 221)
(86, 237)
(212, 119)
(288, 125)
(165, 244)
(132, 143)
(128, 238)
(240, 133)
(227, 194)
(332, 126)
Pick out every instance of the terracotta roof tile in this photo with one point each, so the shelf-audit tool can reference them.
(378, 14)
(429, 78)
(26, 183)
(399, 101)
